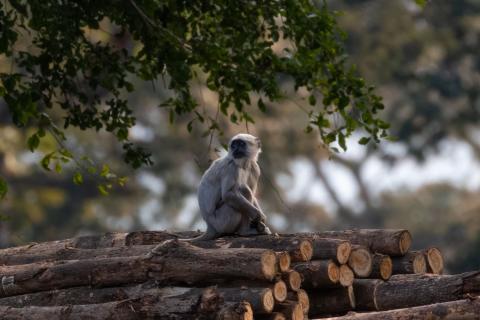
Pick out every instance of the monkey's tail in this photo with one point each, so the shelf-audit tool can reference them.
(210, 234)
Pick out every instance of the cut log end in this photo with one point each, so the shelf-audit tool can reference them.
(333, 272)
(302, 297)
(361, 262)
(269, 262)
(306, 250)
(434, 260)
(268, 300)
(419, 264)
(405, 241)
(346, 276)
(293, 280)
(284, 261)
(280, 291)
(386, 267)
(237, 311)
(291, 309)
(343, 252)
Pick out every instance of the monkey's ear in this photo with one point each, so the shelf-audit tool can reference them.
(259, 143)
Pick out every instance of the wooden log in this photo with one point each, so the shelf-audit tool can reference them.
(327, 248)
(460, 309)
(318, 273)
(381, 267)
(279, 290)
(72, 253)
(434, 259)
(394, 242)
(172, 262)
(284, 261)
(300, 296)
(360, 261)
(188, 304)
(292, 279)
(411, 290)
(331, 302)
(411, 262)
(260, 299)
(290, 309)
(299, 248)
(346, 276)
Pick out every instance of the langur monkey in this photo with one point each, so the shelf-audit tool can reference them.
(226, 194)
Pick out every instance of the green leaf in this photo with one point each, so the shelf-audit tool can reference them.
(103, 189)
(312, 100)
(421, 3)
(77, 178)
(122, 181)
(3, 188)
(105, 171)
(45, 162)
(262, 106)
(58, 167)
(33, 142)
(341, 141)
(364, 140)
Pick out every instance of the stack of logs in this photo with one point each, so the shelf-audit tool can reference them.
(352, 274)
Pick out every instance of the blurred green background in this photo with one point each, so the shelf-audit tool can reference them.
(424, 62)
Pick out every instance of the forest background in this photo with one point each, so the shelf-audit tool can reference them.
(424, 63)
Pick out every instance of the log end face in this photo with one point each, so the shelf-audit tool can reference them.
(280, 291)
(268, 300)
(405, 241)
(346, 276)
(283, 261)
(386, 268)
(361, 262)
(294, 280)
(333, 272)
(435, 260)
(343, 252)
(269, 262)
(297, 312)
(303, 300)
(419, 264)
(306, 250)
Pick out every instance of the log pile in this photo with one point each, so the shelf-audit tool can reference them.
(353, 274)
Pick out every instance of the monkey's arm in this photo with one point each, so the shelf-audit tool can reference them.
(232, 195)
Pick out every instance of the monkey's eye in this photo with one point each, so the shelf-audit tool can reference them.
(238, 143)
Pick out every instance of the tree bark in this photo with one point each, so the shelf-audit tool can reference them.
(460, 309)
(260, 299)
(360, 261)
(381, 267)
(318, 273)
(394, 242)
(411, 262)
(403, 291)
(190, 303)
(331, 302)
(172, 262)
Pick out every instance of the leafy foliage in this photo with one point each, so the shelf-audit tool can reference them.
(230, 43)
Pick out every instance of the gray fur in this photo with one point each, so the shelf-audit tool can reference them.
(226, 194)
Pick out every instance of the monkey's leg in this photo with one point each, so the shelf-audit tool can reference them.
(226, 220)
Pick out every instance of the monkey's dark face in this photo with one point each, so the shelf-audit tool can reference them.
(239, 148)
